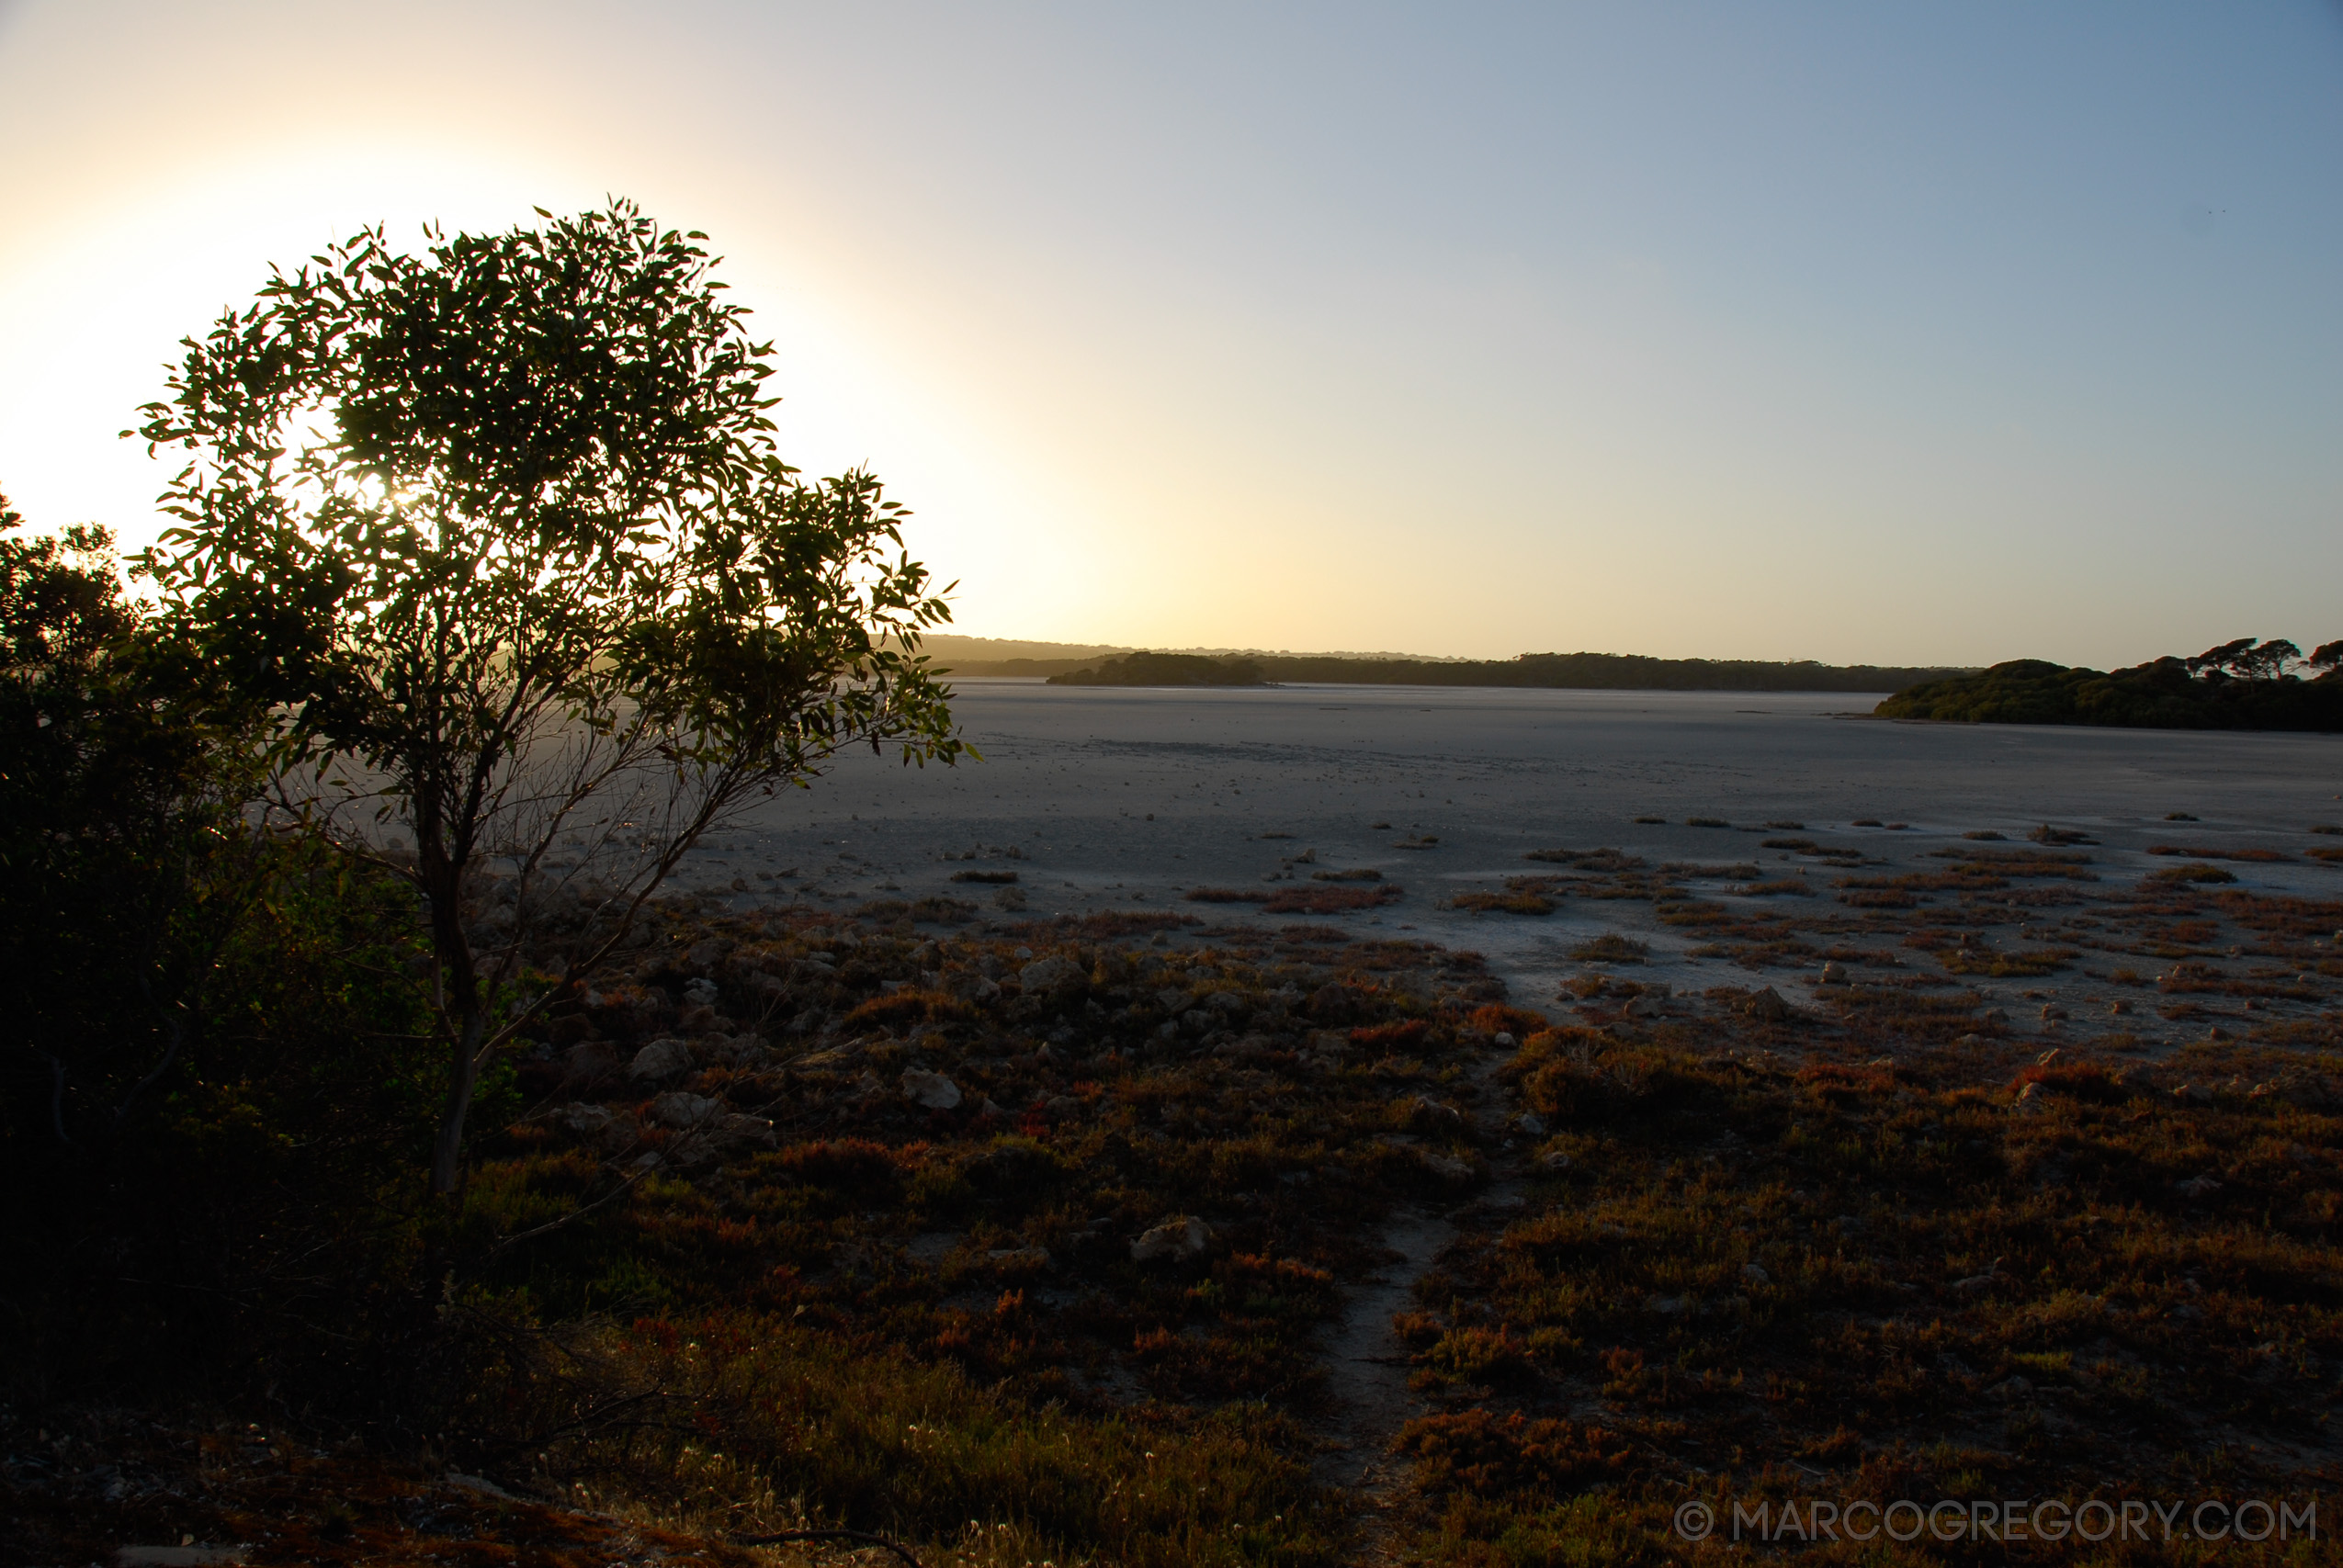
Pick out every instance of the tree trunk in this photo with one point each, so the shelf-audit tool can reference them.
(463, 1075)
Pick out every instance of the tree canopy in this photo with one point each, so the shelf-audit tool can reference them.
(501, 531)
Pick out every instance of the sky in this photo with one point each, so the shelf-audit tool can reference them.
(1910, 334)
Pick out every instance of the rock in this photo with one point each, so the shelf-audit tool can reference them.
(2012, 1388)
(1971, 1041)
(1178, 1239)
(1502, 1040)
(701, 993)
(2052, 1012)
(1048, 974)
(736, 1127)
(1011, 899)
(1530, 1121)
(1423, 1108)
(1554, 1159)
(2198, 1186)
(485, 1487)
(1332, 1003)
(1974, 1285)
(585, 1065)
(679, 1110)
(1667, 1306)
(660, 1059)
(1756, 1275)
(1834, 973)
(706, 955)
(1442, 1166)
(2047, 1056)
(583, 1119)
(1767, 1006)
(931, 1089)
(1993, 1018)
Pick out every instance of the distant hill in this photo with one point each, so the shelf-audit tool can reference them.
(1602, 671)
(2237, 686)
(1165, 670)
(1592, 671)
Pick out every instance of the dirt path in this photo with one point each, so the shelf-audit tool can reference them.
(1366, 1364)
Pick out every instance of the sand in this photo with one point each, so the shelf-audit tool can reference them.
(1129, 798)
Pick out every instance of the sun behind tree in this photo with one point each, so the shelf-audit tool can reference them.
(501, 531)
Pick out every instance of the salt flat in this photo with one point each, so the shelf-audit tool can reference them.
(1130, 798)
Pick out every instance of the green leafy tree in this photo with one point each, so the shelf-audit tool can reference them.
(500, 531)
(125, 861)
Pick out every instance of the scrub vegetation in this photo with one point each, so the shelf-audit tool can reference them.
(2243, 684)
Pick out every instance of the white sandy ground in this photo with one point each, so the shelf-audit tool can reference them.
(1128, 798)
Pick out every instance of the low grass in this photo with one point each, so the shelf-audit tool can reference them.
(1947, 1277)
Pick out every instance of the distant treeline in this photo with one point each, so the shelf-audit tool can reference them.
(2239, 685)
(1594, 672)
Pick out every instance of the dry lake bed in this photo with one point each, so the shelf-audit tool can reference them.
(1135, 800)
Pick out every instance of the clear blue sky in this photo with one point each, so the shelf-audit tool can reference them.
(1893, 333)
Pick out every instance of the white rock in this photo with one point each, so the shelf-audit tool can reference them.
(931, 1089)
(677, 1109)
(746, 1129)
(583, 1119)
(1754, 1274)
(1530, 1121)
(660, 1059)
(1442, 1166)
(1050, 974)
(1180, 1238)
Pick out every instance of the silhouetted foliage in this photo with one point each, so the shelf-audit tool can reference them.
(1165, 670)
(2243, 684)
(501, 533)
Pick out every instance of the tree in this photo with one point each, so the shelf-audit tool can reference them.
(2219, 661)
(124, 860)
(500, 531)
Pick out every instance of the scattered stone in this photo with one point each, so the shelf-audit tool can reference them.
(1426, 1108)
(660, 1059)
(1530, 1121)
(1554, 1159)
(486, 1488)
(1048, 974)
(1442, 1166)
(931, 1089)
(584, 1118)
(679, 1110)
(1179, 1239)
(2012, 1388)
(1974, 1285)
(587, 1064)
(1756, 1275)
(1767, 1006)
(1834, 973)
(2198, 1186)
